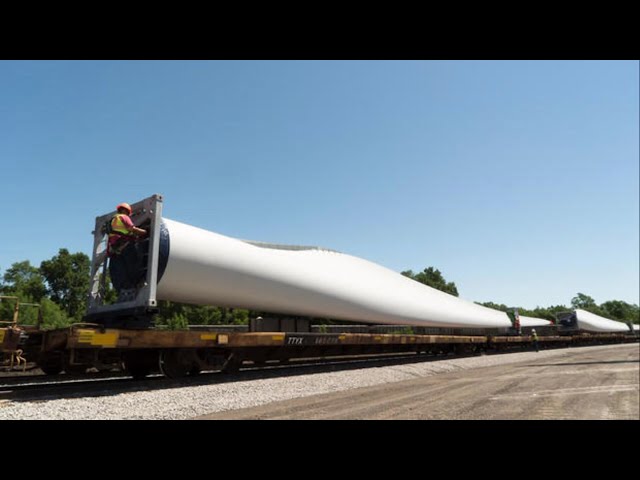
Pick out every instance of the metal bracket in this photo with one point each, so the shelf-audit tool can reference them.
(142, 298)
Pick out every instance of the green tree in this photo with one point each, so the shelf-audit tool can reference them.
(7, 308)
(24, 280)
(548, 313)
(496, 306)
(433, 278)
(240, 316)
(179, 315)
(53, 316)
(622, 311)
(585, 302)
(67, 277)
(178, 321)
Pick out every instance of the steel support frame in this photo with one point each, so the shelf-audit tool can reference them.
(144, 298)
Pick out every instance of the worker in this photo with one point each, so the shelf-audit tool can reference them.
(122, 229)
(125, 261)
(534, 338)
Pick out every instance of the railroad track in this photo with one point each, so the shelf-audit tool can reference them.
(49, 387)
(40, 378)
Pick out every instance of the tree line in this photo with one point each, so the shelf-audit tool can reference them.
(61, 286)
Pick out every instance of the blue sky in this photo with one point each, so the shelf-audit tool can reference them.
(517, 179)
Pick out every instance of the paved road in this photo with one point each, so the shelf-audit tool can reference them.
(601, 383)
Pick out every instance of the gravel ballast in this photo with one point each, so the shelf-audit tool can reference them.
(191, 401)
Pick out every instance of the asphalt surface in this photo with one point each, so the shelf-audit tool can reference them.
(599, 383)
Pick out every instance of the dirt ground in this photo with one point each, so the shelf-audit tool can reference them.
(598, 384)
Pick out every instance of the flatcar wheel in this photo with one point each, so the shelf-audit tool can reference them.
(50, 364)
(75, 369)
(50, 369)
(176, 363)
(139, 364)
